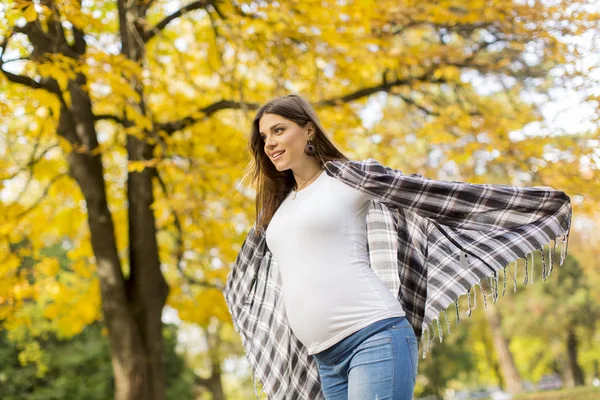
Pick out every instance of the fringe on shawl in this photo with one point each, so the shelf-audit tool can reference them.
(428, 332)
(257, 392)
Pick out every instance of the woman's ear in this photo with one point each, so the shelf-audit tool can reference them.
(310, 129)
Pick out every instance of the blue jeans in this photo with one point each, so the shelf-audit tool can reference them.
(381, 366)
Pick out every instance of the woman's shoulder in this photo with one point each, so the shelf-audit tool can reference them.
(356, 163)
(368, 165)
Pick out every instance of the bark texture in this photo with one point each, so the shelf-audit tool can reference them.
(508, 368)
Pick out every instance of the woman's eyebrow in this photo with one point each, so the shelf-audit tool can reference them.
(273, 127)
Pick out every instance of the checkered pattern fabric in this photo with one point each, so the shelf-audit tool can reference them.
(429, 241)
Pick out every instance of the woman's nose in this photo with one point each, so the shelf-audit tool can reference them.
(269, 143)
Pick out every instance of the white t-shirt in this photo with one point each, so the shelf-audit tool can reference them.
(319, 241)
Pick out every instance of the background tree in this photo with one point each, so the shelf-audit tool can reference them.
(570, 317)
(452, 359)
(80, 368)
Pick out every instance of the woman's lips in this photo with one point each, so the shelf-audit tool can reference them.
(276, 157)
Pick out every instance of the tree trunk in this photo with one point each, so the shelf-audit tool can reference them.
(574, 371)
(510, 374)
(493, 364)
(131, 308)
(214, 383)
(214, 350)
(127, 350)
(148, 289)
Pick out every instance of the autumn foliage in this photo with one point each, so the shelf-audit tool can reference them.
(123, 132)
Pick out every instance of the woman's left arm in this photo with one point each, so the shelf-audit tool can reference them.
(456, 204)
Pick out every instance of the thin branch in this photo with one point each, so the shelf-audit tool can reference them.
(145, 6)
(4, 44)
(412, 102)
(29, 169)
(23, 80)
(464, 28)
(195, 5)
(171, 127)
(109, 117)
(217, 48)
(41, 198)
(179, 244)
(383, 87)
(16, 59)
(411, 24)
(239, 11)
(32, 159)
(52, 41)
(55, 28)
(80, 44)
(461, 98)
(219, 12)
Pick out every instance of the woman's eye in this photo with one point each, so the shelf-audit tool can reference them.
(263, 138)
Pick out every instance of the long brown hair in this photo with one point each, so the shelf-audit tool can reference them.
(272, 185)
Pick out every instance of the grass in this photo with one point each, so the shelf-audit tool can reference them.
(579, 393)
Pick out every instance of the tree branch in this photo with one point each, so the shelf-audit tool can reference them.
(195, 5)
(110, 118)
(39, 200)
(412, 102)
(221, 15)
(4, 44)
(144, 6)
(80, 44)
(17, 59)
(52, 41)
(206, 382)
(24, 80)
(385, 86)
(29, 167)
(179, 243)
(32, 161)
(171, 127)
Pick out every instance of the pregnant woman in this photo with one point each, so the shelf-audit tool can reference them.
(329, 288)
(336, 306)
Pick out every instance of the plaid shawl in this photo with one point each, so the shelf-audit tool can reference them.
(429, 241)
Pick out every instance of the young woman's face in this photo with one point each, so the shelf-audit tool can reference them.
(282, 135)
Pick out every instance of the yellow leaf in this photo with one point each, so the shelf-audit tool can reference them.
(49, 266)
(21, 4)
(82, 268)
(65, 145)
(136, 166)
(30, 14)
(51, 311)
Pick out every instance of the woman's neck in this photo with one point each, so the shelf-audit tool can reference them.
(308, 174)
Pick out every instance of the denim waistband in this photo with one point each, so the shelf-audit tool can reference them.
(333, 353)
